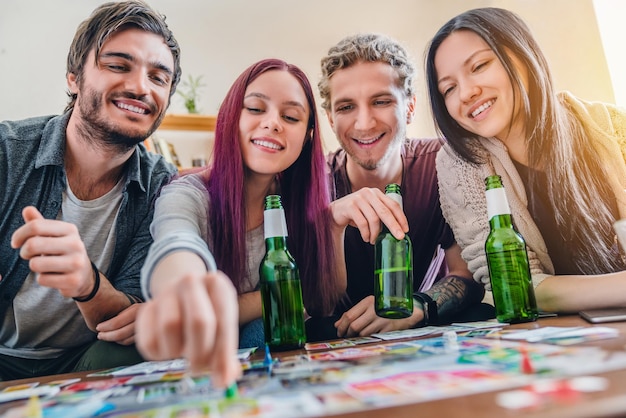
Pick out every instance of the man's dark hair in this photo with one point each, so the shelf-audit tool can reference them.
(107, 20)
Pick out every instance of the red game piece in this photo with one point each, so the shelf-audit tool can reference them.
(526, 366)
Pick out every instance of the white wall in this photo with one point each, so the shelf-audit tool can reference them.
(219, 38)
(611, 14)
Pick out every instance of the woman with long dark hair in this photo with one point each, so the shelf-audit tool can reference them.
(561, 159)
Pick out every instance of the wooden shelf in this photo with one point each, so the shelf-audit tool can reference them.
(189, 122)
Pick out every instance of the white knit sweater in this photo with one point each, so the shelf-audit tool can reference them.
(462, 188)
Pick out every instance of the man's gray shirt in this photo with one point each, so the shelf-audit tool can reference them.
(32, 174)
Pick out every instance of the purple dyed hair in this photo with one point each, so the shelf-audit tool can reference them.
(304, 192)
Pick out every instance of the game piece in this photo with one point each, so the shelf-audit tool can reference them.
(268, 361)
(451, 342)
(232, 391)
(33, 407)
(526, 366)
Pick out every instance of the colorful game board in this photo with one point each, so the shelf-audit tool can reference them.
(351, 377)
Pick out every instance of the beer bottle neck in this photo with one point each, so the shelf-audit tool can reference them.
(498, 210)
(392, 191)
(276, 243)
(394, 194)
(500, 221)
(396, 197)
(275, 229)
(274, 223)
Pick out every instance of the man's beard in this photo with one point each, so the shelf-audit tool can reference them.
(104, 133)
(392, 149)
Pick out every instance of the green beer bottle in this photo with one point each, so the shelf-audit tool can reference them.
(507, 259)
(393, 272)
(281, 293)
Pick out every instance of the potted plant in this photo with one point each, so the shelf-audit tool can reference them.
(189, 90)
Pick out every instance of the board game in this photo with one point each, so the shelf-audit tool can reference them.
(332, 377)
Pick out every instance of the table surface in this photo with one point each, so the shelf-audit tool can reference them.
(607, 403)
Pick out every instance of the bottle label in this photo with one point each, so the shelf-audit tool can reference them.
(497, 204)
(274, 223)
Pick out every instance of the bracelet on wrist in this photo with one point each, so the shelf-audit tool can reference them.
(422, 322)
(431, 316)
(96, 285)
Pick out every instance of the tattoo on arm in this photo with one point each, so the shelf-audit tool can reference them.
(455, 293)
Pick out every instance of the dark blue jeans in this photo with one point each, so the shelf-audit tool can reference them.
(252, 334)
(93, 356)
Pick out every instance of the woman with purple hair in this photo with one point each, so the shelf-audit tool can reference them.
(267, 141)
